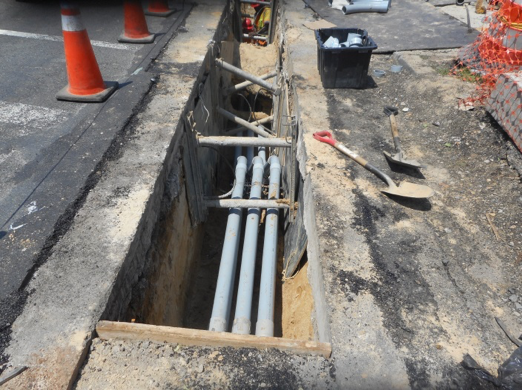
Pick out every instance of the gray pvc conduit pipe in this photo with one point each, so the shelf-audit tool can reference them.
(360, 6)
(238, 150)
(248, 261)
(261, 152)
(265, 313)
(249, 150)
(227, 267)
(370, 6)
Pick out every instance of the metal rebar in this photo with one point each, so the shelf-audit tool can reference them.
(7, 377)
(245, 84)
(227, 267)
(265, 313)
(470, 29)
(247, 76)
(245, 141)
(244, 123)
(255, 123)
(255, 2)
(245, 288)
(259, 38)
(272, 22)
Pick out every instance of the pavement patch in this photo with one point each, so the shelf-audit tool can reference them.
(30, 117)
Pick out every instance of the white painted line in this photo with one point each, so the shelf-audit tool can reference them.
(29, 35)
(19, 34)
(16, 227)
(30, 117)
(118, 46)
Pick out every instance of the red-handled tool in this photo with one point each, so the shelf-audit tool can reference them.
(404, 189)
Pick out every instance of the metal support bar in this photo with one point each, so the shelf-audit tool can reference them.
(242, 122)
(237, 11)
(247, 203)
(255, 2)
(245, 141)
(7, 377)
(273, 17)
(247, 76)
(258, 37)
(245, 84)
(293, 153)
(255, 123)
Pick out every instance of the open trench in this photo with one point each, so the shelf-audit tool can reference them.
(216, 263)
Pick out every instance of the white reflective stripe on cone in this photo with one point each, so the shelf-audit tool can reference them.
(72, 23)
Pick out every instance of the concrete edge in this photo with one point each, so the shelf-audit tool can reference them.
(315, 274)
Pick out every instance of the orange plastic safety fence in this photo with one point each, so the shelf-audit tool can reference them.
(497, 50)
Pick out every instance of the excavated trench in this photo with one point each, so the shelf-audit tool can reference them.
(182, 282)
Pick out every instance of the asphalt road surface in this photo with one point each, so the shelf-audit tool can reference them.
(48, 148)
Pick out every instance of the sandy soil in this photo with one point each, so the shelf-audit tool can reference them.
(258, 60)
(298, 304)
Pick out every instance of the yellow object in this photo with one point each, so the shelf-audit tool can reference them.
(516, 26)
(262, 18)
(480, 8)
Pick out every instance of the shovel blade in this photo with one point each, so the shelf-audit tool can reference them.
(410, 190)
(398, 159)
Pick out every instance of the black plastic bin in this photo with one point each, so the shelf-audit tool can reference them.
(343, 67)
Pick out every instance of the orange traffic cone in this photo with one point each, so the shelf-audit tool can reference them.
(159, 8)
(85, 80)
(136, 30)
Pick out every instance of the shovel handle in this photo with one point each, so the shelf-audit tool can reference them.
(326, 137)
(395, 133)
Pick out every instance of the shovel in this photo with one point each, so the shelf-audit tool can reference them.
(398, 158)
(404, 189)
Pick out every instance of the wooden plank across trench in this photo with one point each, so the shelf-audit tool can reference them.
(194, 337)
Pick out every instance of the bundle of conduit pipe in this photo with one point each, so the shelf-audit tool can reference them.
(354, 6)
(219, 321)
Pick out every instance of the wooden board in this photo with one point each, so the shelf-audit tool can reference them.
(296, 238)
(198, 212)
(130, 331)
